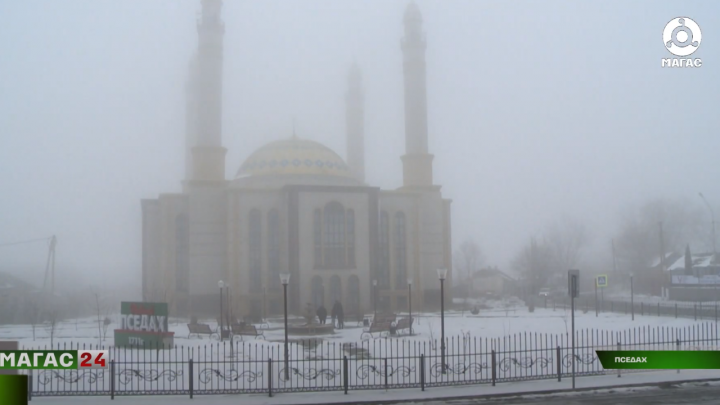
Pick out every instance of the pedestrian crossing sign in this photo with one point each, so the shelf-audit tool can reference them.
(601, 281)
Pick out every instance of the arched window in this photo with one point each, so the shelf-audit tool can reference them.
(353, 297)
(318, 292)
(317, 236)
(383, 271)
(400, 251)
(182, 253)
(334, 236)
(350, 240)
(255, 249)
(273, 249)
(335, 289)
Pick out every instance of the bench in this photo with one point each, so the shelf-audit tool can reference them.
(404, 324)
(200, 329)
(377, 328)
(246, 330)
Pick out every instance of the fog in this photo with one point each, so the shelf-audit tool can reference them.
(537, 111)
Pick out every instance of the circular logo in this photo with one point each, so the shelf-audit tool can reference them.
(682, 36)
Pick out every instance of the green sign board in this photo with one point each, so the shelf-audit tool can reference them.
(144, 325)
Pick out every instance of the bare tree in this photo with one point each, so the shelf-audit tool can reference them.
(535, 263)
(468, 259)
(566, 240)
(638, 244)
(50, 325)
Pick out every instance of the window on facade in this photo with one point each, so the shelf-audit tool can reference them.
(273, 249)
(350, 240)
(400, 251)
(182, 253)
(334, 236)
(335, 290)
(255, 249)
(383, 271)
(318, 292)
(352, 304)
(317, 234)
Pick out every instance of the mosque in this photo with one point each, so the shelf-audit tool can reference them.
(296, 206)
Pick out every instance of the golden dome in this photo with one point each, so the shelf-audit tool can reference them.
(294, 156)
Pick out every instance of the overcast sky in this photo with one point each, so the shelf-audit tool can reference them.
(536, 110)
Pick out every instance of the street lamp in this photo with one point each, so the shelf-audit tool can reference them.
(442, 274)
(221, 284)
(632, 298)
(285, 280)
(374, 300)
(409, 280)
(712, 215)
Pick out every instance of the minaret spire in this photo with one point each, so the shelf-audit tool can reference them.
(205, 97)
(417, 162)
(355, 123)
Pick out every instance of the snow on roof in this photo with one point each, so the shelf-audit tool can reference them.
(698, 260)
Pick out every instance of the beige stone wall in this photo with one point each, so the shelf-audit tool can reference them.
(357, 201)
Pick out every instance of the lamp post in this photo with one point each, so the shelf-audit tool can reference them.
(442, 274)
(712, 215)
(374, 300)
(285, 280)
(221, 284)
(409, 280)
(632, 298)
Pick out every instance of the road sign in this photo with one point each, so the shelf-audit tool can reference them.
(573, 283)
(601, 280)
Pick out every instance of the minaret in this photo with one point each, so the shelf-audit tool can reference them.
(355, 123)
(417, 162)
(205, 88)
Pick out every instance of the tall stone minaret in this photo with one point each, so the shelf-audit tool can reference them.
(355, 123)
(417, 162)
(205, 97)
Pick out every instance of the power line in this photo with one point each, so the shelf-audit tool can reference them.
(24, 242)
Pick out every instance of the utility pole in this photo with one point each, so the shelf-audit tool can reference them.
(662, 257)
(712, 215)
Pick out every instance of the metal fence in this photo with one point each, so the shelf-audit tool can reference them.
(695, 310)
(317, 365)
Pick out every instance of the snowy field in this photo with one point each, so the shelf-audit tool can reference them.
(494, 323)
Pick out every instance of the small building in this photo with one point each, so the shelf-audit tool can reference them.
(696, 278)
(491, 282)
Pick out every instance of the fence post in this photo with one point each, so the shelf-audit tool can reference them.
(270, 372)
(190, 377)
(112, 379)
(559, 365)
(678, 347)
(422, 372)
(345, 373)
(386, 373)
(618, 347)
(494, 375)
(676, 310)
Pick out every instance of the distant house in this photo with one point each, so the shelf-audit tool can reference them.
(492, 282)
(16, 300)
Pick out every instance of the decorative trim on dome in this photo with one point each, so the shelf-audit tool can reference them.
(294, 156)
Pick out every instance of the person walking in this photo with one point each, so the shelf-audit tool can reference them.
(337, 312)
(322, 314)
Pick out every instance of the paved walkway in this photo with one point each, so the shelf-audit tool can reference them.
(437, 395)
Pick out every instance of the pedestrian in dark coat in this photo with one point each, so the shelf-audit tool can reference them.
(337, 311)
(322, 314)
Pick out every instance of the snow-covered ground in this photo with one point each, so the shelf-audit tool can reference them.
(492, 323)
